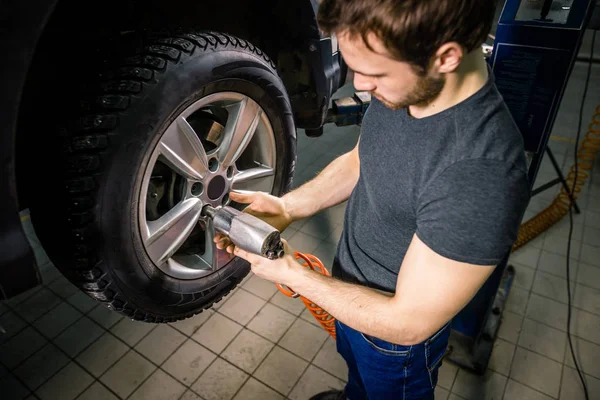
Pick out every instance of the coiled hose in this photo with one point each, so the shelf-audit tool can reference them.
(322, 316)
(560, 205)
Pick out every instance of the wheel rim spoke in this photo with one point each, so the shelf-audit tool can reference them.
(244, 117)
(166, 235)
(184, 151)
(252, 176)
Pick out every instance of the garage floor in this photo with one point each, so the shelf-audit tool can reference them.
(259, 344)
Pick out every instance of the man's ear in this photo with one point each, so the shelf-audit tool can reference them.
(448, 57)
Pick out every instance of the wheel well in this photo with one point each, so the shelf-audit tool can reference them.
(78, 33)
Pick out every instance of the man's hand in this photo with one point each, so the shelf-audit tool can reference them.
(270, 209)
(283, 270)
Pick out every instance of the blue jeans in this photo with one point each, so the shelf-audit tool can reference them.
(379, 370)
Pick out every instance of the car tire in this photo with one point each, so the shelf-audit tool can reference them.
(91, 224)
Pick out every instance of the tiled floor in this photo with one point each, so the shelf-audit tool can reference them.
(259, 344)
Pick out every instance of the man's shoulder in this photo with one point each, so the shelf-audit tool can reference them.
(487, 131)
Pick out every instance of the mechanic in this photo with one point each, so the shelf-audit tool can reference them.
(436, 188)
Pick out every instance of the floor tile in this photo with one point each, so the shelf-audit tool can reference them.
(561, 230)
(260, 287)
(475, 387)
(19, 347)
(12, 324)
(255, 390)
(447, 374)
(331, 361)
(543, 339)
(502, 356)
(523, 276)
(281, 370)
(550, 286)
(97, 392)
(189, 362)
(247, 350)
(57, 320)
(78, 336)
(189, 326)
(558, 244)
(590, 255)
(585, 325)
(37, 305)
(537, 372)
(326, 253)
(591, 236)
(81, 301)
(587, 354)
(294, 306)
(271, 322)
(221, 381)
(547, 311)
(304, 243)
(159, 386)
(242, 307)
(319, 226)
(441, 394)
(518, 391)
(126, 375)
(592, 219)
(102, 354)
(189, 395)
(556, 264)
(131, 332)
(104, 316)
(288, 233)
(304, 339)
(217, 332)
(160, 343)
(313, 381)
(16, 300)
(12, 388)
(572, 389)
(41, 366)
(586, 298)
(510, 327)
(66, 385)
(589, 275)
(454, 396)
(517, 300)
(527, 256)
(63, 288)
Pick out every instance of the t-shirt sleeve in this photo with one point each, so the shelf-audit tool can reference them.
(472, 211)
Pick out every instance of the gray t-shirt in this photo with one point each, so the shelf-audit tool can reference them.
(458, 179)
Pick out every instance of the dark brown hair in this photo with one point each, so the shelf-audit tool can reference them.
(411, 30)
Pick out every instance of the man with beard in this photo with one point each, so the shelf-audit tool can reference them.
(436, 188)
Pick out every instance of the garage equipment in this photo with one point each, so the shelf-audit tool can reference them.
(256, 236)
(246, 231)
(349, 110)
(534, 52)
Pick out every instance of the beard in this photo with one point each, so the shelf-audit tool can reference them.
(426, 90)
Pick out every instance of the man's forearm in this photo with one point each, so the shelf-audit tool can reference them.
(359, 307)
(332, 186)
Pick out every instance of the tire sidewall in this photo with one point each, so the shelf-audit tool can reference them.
(140, 131)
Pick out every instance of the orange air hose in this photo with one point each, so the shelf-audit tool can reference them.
(560, 205)
(322, 316)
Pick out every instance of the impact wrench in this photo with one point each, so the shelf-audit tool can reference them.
(255, 236)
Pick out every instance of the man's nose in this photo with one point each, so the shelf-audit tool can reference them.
(363, 83)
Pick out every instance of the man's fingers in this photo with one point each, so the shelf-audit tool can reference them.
(242, 198)
(250, 257)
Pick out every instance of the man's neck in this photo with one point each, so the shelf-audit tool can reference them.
(469, 77)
